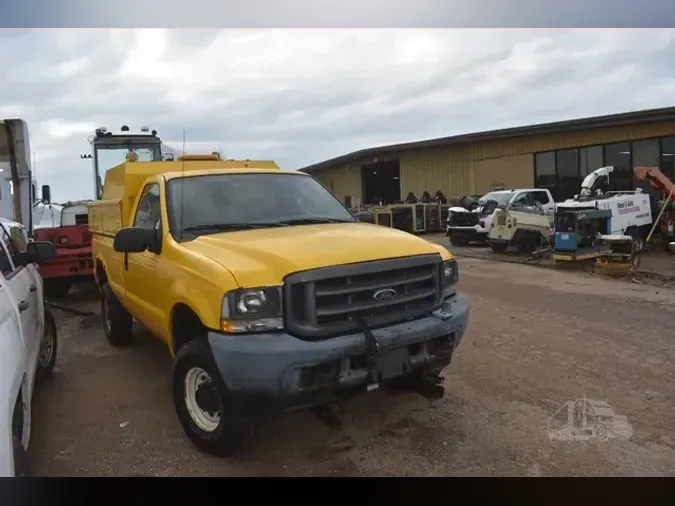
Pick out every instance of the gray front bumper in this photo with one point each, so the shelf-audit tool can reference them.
(276, 364)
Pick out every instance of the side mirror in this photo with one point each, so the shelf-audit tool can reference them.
(134, 240)
(168, 157)
(40, 251)
(46, 194)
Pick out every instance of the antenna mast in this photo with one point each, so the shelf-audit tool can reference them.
(182, 182)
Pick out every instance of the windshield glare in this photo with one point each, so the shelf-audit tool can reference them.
(108, 158)
(231, 199)
(502, 198)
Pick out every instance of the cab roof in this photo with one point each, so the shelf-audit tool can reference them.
(218, 171)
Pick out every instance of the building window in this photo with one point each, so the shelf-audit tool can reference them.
(544, 171)
(668, 157)
(569, 177)
(590, 159)
(618, 155)
(646, 153)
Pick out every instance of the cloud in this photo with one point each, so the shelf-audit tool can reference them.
(300, 96)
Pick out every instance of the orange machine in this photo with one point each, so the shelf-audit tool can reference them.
(666, 218)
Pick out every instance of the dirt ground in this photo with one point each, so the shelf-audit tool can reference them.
(537, 339)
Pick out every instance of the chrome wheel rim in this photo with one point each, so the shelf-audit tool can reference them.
(46, 347)
(198, 380)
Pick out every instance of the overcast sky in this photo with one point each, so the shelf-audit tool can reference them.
(301, 96)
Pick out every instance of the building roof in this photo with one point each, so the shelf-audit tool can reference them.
(611, 120)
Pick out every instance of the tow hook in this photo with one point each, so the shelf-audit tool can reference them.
(428, 386)
(373, 350)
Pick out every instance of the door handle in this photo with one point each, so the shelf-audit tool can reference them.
(23, 305)
(32, 288)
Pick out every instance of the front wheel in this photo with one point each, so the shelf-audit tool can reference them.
(21, 465)
(48, 347)
(207, 412)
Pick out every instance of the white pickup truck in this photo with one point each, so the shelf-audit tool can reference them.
(28, 342)
(464, 226)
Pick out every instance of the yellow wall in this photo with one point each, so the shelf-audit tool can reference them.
(342, 180)
(509, 172)
(549, 142)
(445, 169)
(473, 168)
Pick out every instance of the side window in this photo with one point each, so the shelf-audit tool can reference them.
(541, 197)
(148, 213)
(7, 252)
(521, 198)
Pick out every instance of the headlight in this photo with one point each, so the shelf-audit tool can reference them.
(252, 310)
(450, 277)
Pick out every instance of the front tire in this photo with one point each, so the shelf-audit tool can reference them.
(21, 463)
(48, 349)
(117, 322)
(207, 412)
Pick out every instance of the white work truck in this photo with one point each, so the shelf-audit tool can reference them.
(28, 344)
(27, 331)
(464, 226)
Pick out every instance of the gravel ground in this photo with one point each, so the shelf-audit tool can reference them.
(537, 339)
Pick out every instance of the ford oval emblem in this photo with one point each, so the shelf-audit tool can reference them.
(384, 294)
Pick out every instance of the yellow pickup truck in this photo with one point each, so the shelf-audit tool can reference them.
(267, 291)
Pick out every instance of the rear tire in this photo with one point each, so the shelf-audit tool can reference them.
(48, 349)
(117, 322)
(209, 415)
(639, 237)
(21, 463)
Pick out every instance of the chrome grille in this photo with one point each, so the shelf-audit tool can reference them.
(463, 219)
(330, 301)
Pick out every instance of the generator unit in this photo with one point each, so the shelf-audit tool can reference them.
(413, 218)
(577, 233)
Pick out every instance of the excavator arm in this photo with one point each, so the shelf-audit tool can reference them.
(656, 179)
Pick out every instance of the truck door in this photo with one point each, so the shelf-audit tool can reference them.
(23, 289)
(547, 204)
(141, 277)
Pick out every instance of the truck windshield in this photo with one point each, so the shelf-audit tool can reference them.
(502, 198)
(107, 158)
(222, 202)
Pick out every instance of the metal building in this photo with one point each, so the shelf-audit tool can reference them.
(552, 155)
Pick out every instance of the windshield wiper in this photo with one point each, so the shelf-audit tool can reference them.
(227, 227)
(312, 221)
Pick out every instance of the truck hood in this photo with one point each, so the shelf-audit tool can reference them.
(264, 257)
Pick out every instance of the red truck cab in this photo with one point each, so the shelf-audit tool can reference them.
(69, 233)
